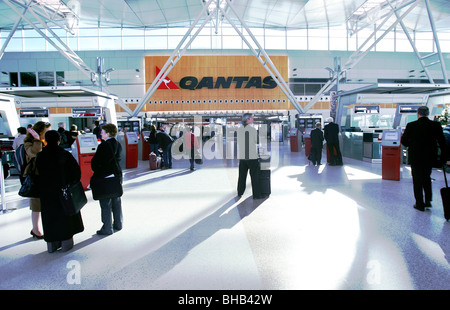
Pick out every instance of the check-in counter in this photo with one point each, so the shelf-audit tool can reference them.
(352, 144)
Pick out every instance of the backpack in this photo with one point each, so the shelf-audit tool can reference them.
(20, 159)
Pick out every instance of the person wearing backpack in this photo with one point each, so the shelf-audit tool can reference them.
(21, 134)
(33, 144)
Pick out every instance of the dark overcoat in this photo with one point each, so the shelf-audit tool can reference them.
(422, 137)
(54, 165)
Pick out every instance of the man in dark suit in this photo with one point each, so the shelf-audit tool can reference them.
(422, 138)
(315, 155)
(331, 134)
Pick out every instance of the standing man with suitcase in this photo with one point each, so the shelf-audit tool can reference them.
(422, 138)
(247, 140)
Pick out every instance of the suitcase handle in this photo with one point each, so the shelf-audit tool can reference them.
(445, 176)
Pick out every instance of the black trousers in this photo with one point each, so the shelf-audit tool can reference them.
(335, 153)
(421, 184)
(244, 167)
(315, 155)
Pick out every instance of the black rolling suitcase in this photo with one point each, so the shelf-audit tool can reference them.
(445, 195)
(264, 176)
(264, 183)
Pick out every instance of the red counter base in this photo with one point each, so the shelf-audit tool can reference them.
(391, 163)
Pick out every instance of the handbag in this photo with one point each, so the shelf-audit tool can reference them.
(73, 198)
(30, 186)
(107, 187)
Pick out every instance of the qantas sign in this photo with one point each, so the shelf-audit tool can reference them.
(193, 83)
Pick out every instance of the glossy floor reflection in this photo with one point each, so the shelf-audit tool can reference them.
(323, 227)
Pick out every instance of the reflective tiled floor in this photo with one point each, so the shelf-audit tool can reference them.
(323, 227)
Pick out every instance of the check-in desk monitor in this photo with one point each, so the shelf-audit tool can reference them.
(88, 143)
(132, 138)
(391, 137)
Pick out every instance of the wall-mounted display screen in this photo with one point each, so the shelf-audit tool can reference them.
(33, 113)
(371, 109)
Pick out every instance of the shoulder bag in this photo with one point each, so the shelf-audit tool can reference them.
(30, 186)
(72, 196)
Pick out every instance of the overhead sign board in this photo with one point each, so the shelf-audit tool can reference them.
(86, 112)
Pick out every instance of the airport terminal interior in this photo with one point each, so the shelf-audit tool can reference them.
(365, 65)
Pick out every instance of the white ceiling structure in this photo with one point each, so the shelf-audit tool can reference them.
(381, 16)
(295, 14)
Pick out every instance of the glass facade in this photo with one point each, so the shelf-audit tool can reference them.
(332, 38)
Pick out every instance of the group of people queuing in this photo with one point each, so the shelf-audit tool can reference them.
(56, 167)
(161, 140)
(330, 135)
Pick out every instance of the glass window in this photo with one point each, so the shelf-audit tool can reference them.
(34, 44)
(46, 79)
(88, 32)
(156, 32)
(445, 46)
(27, 79)
(352, 42)
(156, 42)
(173, 41)
(14, 79)
(230, 31)
(110, 32)
(60, 80)
(110, 43)
(4, 79)
(201, 42)
(88, 43)
(425, 45)
(15, 45)
(276, 42)
(318, 43)
(232, 42)
(72, 42)
(402, 43)
(133, 32)
(387, 43)
(31, 33)
(338, 38)
(133, 43)
(297, 43)
(179, 31)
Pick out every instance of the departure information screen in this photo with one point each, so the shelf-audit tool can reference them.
(86, 112)
(33, 113)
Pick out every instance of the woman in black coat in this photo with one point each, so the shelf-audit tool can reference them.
(105, 163)
(54, 165)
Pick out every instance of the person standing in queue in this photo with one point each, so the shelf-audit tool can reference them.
(165, 143)
(57, 167)
(422, 138)
(104, 163)
(152, 140)
(315, 155)
(331, 135)
(33, 144)
(247, 140)
(192, 144)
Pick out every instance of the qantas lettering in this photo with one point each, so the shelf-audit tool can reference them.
(192, 83)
